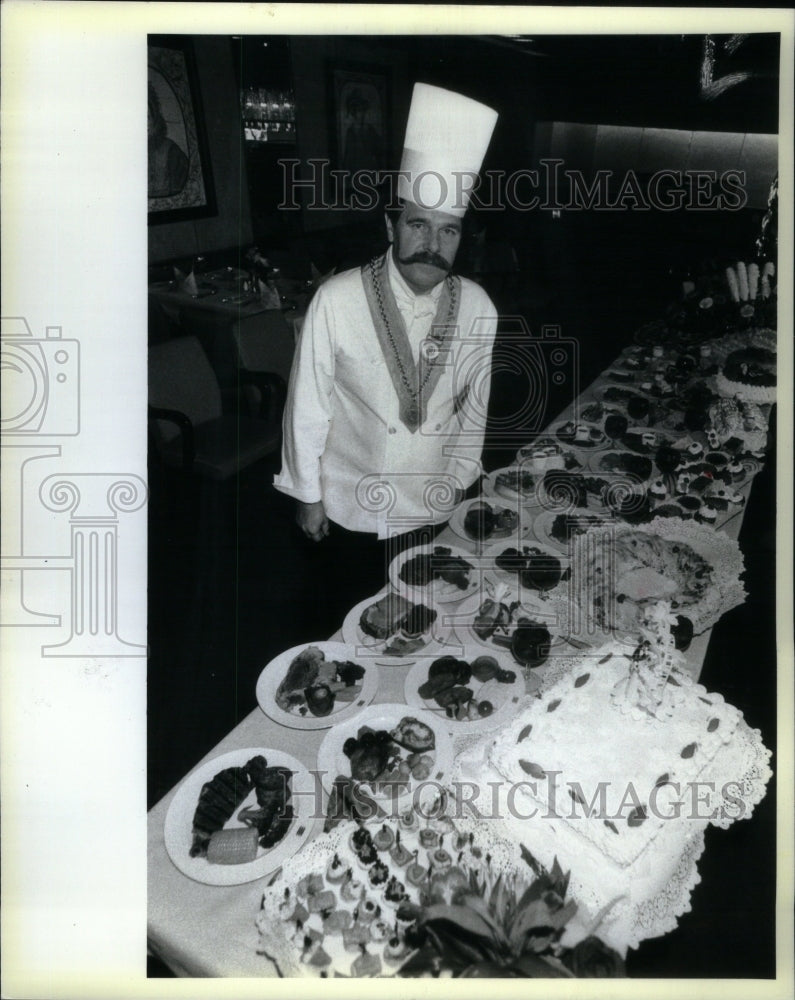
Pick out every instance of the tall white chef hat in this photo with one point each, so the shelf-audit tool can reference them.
(446, 139)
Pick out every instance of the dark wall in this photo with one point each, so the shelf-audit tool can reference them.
(231, 226)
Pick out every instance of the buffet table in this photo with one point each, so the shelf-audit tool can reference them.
(203, 930)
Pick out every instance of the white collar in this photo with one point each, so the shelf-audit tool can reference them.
(406, 299)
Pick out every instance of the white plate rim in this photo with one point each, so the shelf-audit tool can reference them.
(178, 824)
(413, 592)
(490, 491)
(543, 523)
(470, 606)
(387, 714)
(351, 636)
(273, 673)
(456, 522)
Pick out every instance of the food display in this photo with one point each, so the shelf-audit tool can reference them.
(314, 686)
(515, 483)
(621, 574)
(472, 691)
(443, 571)
(236, 817)
(360, 900)
(547, 453)
(605, 804)
(555, 665)
(582, 435)
(486, 519)
(558, 529)
(387, 749)
(509, 622)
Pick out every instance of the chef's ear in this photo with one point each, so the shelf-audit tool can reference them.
(390, 229)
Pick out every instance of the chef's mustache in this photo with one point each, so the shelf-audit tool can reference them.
(427, 257)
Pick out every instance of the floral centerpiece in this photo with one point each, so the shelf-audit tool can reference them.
(502, 927)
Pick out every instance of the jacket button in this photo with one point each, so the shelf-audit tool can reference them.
(438, 427)
(393, 430)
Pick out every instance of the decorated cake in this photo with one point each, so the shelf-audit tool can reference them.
(625, 801)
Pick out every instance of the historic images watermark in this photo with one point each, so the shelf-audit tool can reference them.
(544, 798)
(551, 187)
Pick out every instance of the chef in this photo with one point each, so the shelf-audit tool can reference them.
(385, 416)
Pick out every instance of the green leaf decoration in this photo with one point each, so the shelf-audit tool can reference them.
(532, 861)
(526, 730)
(662, 780)
(611, 825)
(534, 770)
(637, 816)
(712, 725)
(575, 795)
(689, 750)
(478, 905)
(582, 679)
(606, 658)
(553, 705)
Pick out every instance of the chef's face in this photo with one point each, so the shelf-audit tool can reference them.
(424, 245)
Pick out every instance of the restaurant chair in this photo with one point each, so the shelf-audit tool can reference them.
(193, 425)
(265, 345)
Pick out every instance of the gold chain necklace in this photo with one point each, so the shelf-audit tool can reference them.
(375, 273)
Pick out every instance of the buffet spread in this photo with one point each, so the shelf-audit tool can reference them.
(504, 765)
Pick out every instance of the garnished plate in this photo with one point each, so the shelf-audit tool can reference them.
(495, 685)
(400, 646)
(178, 828)
(547, 522)
(292, 706)
(515, 484)
(443, 573)
(488, 518)
(332, 761)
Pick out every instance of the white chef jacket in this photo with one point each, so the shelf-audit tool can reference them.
(344, 442)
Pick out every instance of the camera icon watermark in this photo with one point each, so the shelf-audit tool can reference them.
(533, 364)
(41, 381)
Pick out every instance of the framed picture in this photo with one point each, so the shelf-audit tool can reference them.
(180, 184)
(360, 118)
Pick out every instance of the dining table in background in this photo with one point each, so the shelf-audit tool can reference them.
(235, 325)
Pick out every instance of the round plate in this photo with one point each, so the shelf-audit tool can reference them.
(599, 459)
(274, 673)
(585, 446)
(523, 528)
(572, 459)
(504, 493)
(368, 646)
(542, 526)
(331, 760)
(504, 697)
(546, 611)
(437, 590)
(178, 829)
(489, 560)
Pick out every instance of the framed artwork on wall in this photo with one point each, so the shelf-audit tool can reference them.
(360, 124)
(180, 183)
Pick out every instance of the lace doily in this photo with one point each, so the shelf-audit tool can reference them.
(722, 554)
(741, 390)
(645, 899)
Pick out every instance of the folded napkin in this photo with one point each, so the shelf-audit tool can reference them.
(186, 282)
(269, 296)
